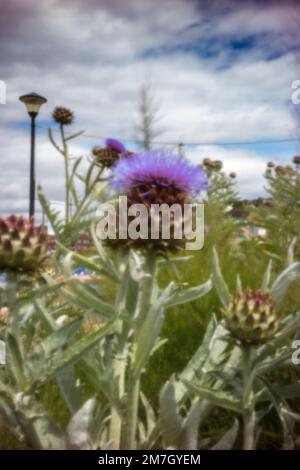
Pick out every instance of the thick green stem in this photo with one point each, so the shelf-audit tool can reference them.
(67, 174)
(249, 430)
(145, 296)
(119, 364)
(129, 442)
(248, 403)
(146, 289)
(116, 418)
(11, 299)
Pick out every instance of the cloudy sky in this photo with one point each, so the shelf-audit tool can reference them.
(221, 72)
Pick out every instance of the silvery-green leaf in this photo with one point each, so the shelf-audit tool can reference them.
(86, 262)
(169, 420)
(189, 434)
(267, 277)
(201, 354)
(227, 441)
(70, 391)
(147, 337)
(136, 266)
(216, 397)
(41, 432)
(150, 415)
(239, 286)
(290, 252)
(45, 316)
(282, 283)
(273, 362)
(87, 297)
(291, 326)
(73, 353)
(15, 363)
(291, 414)
(189, 295)
(280, 406)
(149, 331)
(78, 430)
(218, 280)
(59, 338)
(106, 259)
(165, 263)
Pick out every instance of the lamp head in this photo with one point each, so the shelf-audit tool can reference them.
(33, 102)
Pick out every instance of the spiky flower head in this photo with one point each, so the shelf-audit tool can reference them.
(251, 317)
(107, 156)
(63, 116)
(279, 170)
(158, 169)
(212, 165)
(296, 160)
(158, 177)
(270, 164)
(116, 145)
(232, 175)
(23, 246)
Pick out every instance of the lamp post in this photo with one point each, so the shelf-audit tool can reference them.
(33, 102)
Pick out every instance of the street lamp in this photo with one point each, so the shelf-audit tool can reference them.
(33, 102)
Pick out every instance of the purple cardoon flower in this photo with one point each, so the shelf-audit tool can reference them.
(115, 145)
(108, 156)
(160, 168)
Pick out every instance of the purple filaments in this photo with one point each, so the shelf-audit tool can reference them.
(115, 145)
(158, 167)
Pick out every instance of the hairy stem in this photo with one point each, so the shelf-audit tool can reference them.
(147, 283)
(119, 364)
(67, 174)
(248, 403)
(11, 300)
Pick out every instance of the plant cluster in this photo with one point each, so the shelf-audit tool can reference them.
(100, 372)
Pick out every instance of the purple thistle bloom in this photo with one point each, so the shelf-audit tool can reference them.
(115, 145)
(158, 167)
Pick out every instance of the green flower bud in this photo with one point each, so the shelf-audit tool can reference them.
(251, 317)
(23, 246)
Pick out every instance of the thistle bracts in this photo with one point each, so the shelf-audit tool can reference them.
(154, 178)
(63, 116)
(296, 160)
(156, 194)
(107, 156)
(251, 317)
(23, 246)
(212, 166)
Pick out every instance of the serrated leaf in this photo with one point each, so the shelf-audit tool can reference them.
(149, 331)
(267, 277)
(66, 380)
(216, 397)
(59, 338)
(227, 441)
(189, 434)
(88, 297)
(169, 419)
(78, 430)
(150, 416)
(86, 262)
(189, 295)
(282, 283)
(15, 362)
(73, 353)
(218, 280)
